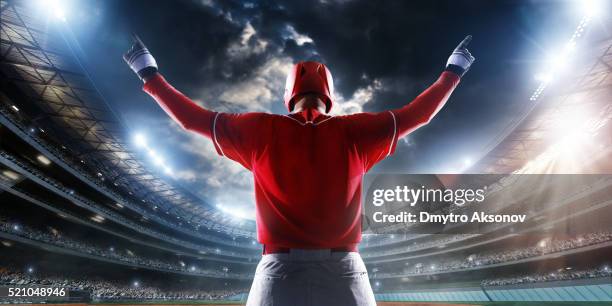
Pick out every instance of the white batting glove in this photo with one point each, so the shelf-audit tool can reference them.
(140, 60)
(461, 59)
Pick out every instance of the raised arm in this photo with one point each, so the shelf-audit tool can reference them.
(183, 110)
(422, 109)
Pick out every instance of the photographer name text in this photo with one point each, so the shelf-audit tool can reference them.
(425, 217)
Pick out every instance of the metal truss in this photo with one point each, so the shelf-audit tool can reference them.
(37, 61)
(589, 87)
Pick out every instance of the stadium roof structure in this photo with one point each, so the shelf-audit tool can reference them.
(579, 101)
(38, 61)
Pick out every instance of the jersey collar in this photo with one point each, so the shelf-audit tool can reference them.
(309, 116)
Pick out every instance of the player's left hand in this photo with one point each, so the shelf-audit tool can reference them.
(461, 59)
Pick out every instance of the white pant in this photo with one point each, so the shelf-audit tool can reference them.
(311, 277)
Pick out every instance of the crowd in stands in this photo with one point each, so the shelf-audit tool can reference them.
(415, 246)
(111, 290)
(126, 257)
(542, 248)
(109, 213)
(489, 258)
(191, 228)
(78, 165)
(550, 277)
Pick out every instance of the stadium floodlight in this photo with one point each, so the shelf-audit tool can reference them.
(543, 243)
(30, 270)
(59, 14)
(158, 160)
(11, 175)
(43, 160)
(563, 56)
(543, 77)
(591, 8)
(140, 140)
(97, 218)
(558, 63)
(56, 8)
(136, 284)
(237, 213)
(16, 227)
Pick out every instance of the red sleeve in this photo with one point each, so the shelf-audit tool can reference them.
(236, 136)
(185, 112)
(420, 111)
(241, 137)
(374, 136)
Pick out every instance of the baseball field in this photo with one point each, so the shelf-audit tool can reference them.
(212, 303)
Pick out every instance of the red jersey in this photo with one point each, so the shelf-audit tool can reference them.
(307, 167)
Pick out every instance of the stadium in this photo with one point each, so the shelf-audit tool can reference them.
(83, 209)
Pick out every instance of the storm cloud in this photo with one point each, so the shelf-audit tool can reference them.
(234, 55)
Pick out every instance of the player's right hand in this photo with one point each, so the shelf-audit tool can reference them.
(140, 59)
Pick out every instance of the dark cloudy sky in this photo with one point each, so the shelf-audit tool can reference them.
(233, 56)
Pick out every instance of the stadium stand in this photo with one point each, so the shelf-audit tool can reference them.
(105, 290)
(95, 192)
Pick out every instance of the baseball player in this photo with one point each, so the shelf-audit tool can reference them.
(308, 168)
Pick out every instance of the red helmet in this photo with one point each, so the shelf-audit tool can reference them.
(309, 77)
